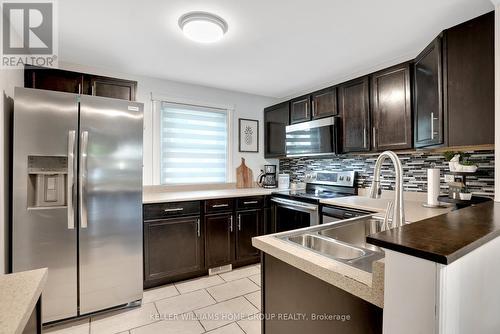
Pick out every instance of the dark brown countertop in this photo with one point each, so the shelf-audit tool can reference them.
(445, 238)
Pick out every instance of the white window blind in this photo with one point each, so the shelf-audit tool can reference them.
(193, 144)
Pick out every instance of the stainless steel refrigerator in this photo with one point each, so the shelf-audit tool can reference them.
(77, 199)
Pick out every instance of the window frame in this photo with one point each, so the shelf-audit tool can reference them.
(156, 152)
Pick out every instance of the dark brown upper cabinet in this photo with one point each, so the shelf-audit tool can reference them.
(391, 108)
(324, 103)
(276, 118)
(300, 109)
(354, 110)
(470, 81)
(454, 86)
(54, 79)
(114, 88)
(78, 83)
(428, 95)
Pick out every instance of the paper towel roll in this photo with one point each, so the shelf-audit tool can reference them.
(433, 186)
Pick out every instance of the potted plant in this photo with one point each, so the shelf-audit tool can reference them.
(465, 194)
(459, 162)
(468, 166)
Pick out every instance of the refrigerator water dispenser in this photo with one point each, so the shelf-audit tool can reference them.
(47, 177)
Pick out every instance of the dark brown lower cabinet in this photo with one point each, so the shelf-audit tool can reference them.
(219, 239)
(310, 296)
(249, 226)
(173, 248)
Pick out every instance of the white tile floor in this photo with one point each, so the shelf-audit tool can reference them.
(220, 304)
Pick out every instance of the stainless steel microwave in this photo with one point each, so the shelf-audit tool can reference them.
(312, 138)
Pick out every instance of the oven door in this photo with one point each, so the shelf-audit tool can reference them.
(290, 215)
(311, 138)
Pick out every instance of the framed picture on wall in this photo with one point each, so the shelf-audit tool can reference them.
(249, 135)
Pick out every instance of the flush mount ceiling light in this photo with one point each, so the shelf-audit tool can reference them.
(203, 27)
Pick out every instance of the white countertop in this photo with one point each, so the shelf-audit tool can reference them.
(19, 293)
(414, 211)
(150, 197)
(367, 286)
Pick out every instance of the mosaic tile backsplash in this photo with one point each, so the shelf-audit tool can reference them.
(415, 166)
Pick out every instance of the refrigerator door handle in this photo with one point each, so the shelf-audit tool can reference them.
(71, 179)
(83, 179)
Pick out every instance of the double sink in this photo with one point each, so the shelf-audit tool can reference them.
(343, 241)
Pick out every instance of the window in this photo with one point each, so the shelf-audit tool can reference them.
(193, 144)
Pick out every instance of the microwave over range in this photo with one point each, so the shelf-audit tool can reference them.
(314, 138)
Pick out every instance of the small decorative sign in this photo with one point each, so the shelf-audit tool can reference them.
(249, 135)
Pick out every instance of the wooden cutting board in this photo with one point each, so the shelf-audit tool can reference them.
(244, 176)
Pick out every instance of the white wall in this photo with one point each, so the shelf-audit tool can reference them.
(8, 80)
(246, 106)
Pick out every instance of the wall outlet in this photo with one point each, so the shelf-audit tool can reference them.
(449, 178)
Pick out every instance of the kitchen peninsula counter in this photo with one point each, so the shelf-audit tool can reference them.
(445, 238)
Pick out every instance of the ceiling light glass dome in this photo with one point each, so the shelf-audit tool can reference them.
(203, 27)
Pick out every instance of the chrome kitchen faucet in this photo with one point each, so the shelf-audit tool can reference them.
(398, 214)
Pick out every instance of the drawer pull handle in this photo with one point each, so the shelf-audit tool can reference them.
(173, 210)
(251, 202)
(220, 206)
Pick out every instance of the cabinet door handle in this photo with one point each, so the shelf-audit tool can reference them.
(314, 108)
(364, 136)
(173, 210)
(374, 137)
(307, 110)
(198, 227)
(231, 224)
(219, 206)
(432, 125)
(79, 88)
(250, 202)
(433, 133)
(239, 222)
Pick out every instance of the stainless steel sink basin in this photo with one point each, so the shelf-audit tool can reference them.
(344, 241)
(328, 246)
(354, 232)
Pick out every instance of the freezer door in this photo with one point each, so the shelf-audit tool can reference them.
(43, 228)
(110, 203)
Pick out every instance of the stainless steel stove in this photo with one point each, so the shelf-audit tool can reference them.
(294, 209)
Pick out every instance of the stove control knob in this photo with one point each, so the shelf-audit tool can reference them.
(348, 178)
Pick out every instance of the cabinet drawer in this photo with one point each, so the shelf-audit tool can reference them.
(174, 209)
(219, 205)
(244, 203)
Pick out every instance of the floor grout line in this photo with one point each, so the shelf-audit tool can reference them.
(215, 302)
(211, 295)
(245, 296)
(237, 324)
